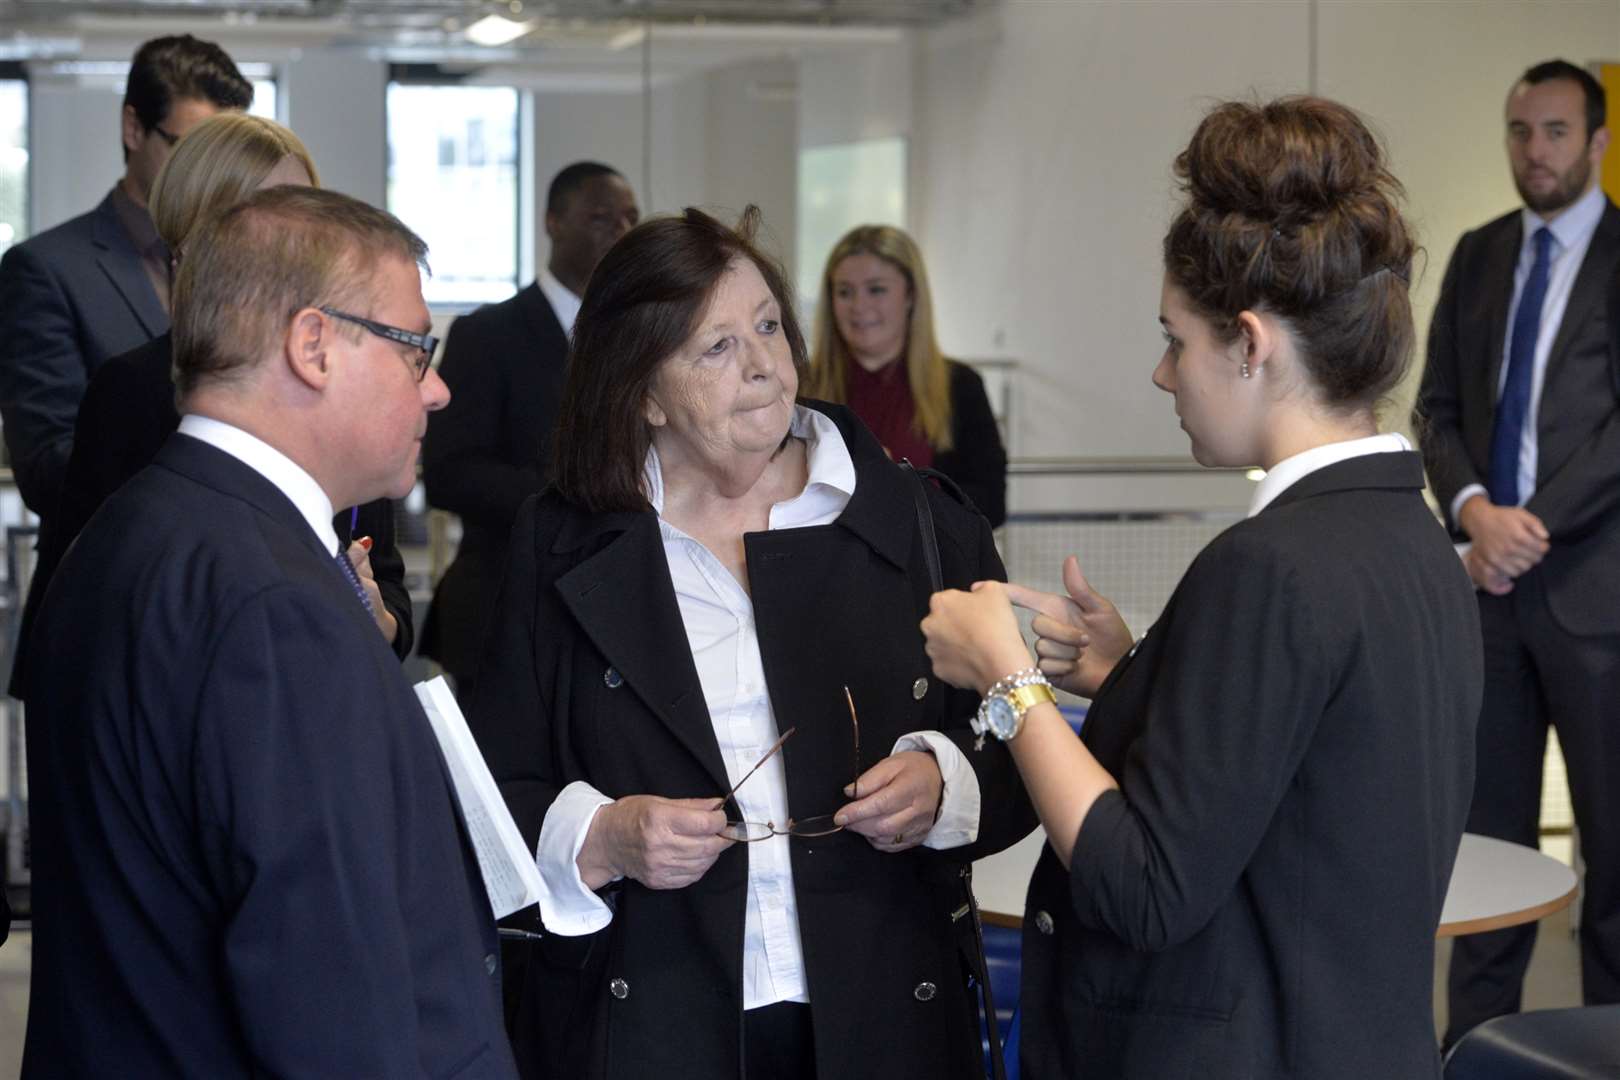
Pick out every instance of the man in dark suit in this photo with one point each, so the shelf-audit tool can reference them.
(248, 859)
(1519, 415)
(98, 285)
(491, 448)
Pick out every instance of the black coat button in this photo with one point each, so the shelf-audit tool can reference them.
(612, 679)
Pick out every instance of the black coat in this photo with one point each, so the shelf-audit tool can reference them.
(838, 604)
(976, 461)
(248, 859)
(1577, 492)
(1293, 742)
(128, 413)
(486, 452)
(71, 298)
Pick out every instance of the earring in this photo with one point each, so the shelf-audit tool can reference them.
(1244, 370)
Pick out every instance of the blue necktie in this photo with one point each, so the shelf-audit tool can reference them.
(1514, 408)
(347, 569)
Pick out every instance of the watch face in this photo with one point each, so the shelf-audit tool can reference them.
(1001, 716)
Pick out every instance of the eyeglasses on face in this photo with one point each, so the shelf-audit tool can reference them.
(425, 344)
(806, 828)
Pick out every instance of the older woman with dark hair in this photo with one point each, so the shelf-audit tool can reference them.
(717, 568)
(1249, 848)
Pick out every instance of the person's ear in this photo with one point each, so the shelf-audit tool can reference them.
(133, 131)
(308, 348)
(1259, 336)
(653, 412)
(1597, 145)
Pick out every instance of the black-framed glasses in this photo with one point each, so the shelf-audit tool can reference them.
(425, 344)
(169, 137)
(748, 832)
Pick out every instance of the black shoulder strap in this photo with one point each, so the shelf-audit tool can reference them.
(925, 524)
(970, 909)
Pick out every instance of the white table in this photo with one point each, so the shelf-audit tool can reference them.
(1494, 884)
(1497, 884)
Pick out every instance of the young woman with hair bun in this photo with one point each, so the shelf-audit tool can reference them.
(1250, 844)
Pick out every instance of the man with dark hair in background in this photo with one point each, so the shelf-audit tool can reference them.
(248, 857)
(491, 448)
(1519, 417)
(98, 285)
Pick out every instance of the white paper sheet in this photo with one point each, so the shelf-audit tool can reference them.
(507, 864)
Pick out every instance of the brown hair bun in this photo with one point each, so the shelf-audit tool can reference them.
(1291, 209)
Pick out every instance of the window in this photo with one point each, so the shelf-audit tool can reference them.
(264, 91)
(13, 161)
(453, 178)
(840, 187)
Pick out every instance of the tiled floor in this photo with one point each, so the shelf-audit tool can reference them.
(1553, 982)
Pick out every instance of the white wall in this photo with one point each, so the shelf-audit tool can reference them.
(753, 149)
(336, 102)
(1042, 141)
(74, 145)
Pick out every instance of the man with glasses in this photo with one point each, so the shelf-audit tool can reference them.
(248, 859)
(98, 285)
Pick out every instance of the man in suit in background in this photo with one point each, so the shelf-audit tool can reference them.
(1519, 415)
(248, 859)
(491, 448)
(98, 285)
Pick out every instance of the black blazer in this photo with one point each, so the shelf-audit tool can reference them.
(976, 461)
(589, 677)
(70, 299)
(127, 415)
(1577, 426)
(486, 452)
(1293, 741)
(248, 859)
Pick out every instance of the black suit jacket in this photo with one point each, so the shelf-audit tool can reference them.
(127, 415)
(1578, 423)
(976, 460)
(1293, 741)
(248, 859)
(70, 299)
(590, 677)
(486, 452)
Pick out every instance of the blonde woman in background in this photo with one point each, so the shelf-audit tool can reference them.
(875, 351)
(128, 410)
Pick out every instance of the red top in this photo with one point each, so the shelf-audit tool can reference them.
(882, 399)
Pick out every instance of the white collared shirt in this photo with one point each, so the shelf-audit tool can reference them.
(1572, 233)
(564, 303)
(1291, 470)
(718, 615)
(287, 475)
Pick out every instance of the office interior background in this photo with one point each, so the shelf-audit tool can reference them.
(1026, 144)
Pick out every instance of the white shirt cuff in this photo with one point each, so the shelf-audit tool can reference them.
(958, 821)
(567, 906)
(1463, 496)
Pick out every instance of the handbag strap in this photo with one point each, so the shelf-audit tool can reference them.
(969, 910)
(925, 525)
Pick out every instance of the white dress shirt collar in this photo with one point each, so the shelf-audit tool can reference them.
(287, 475)
(1291, 470)
(1574, 226)
(831, 473)
(564, 303)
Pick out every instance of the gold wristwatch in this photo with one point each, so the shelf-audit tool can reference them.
(1002, 712)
